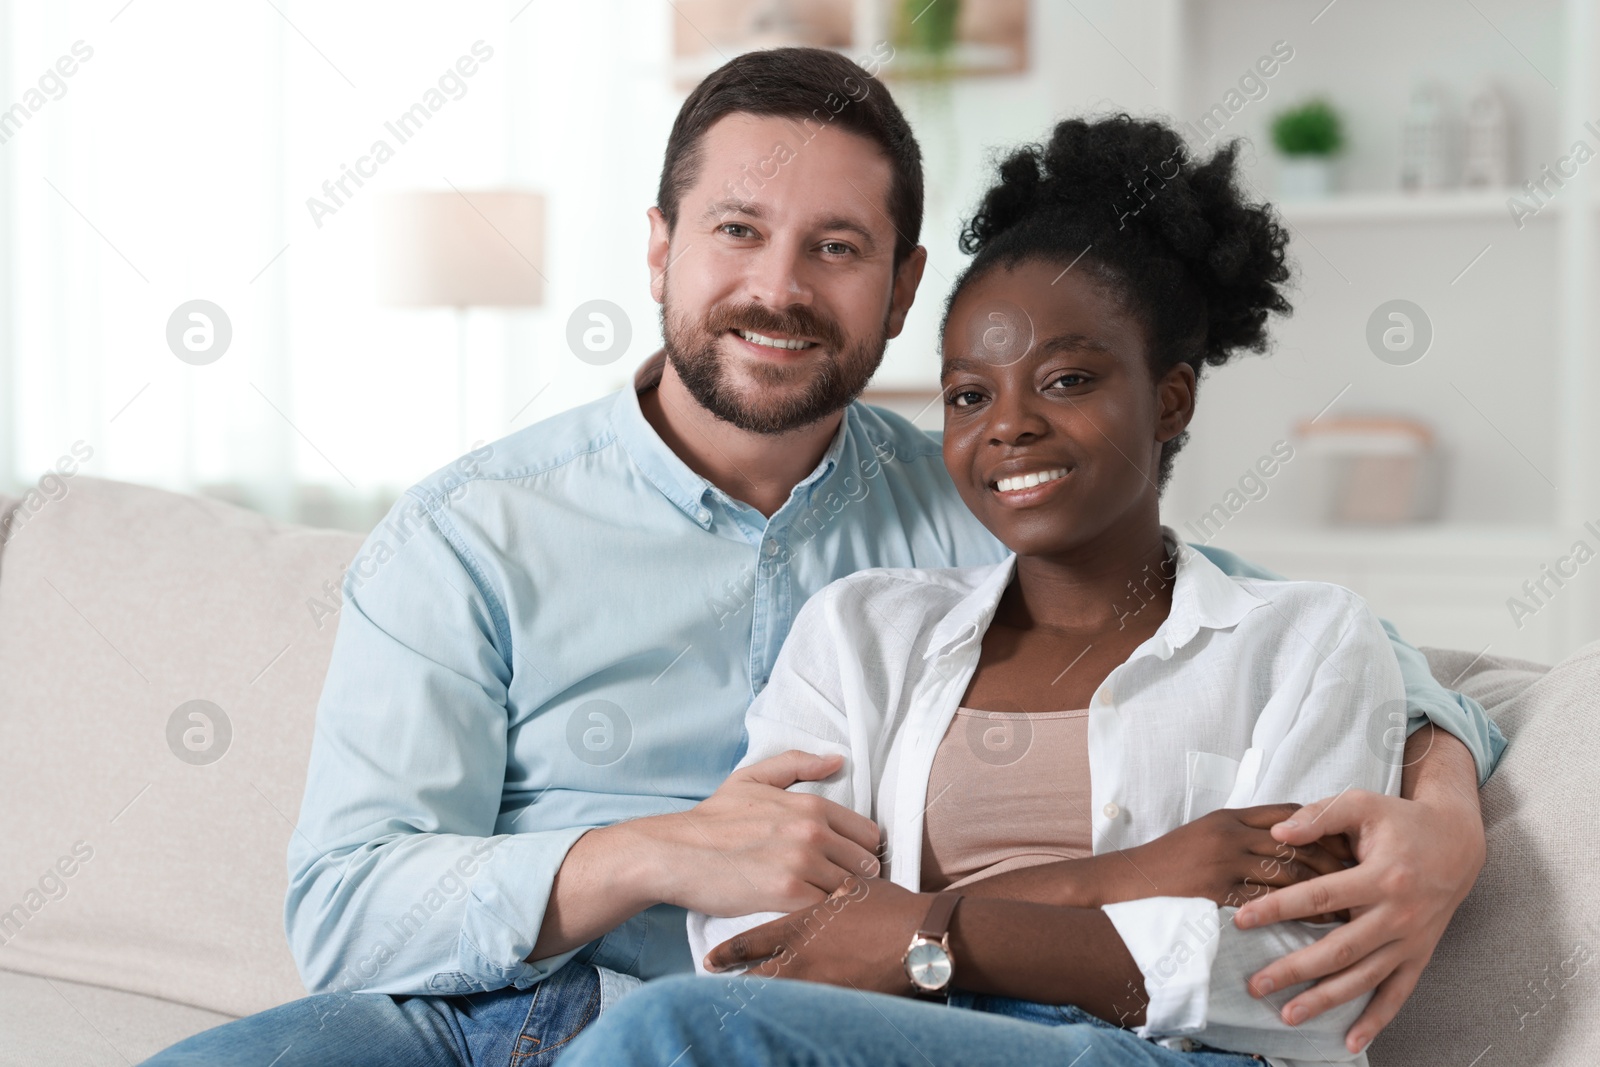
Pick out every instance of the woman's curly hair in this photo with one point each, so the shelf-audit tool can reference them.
(1189, 257)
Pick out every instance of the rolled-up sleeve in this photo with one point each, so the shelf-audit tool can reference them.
(1455, 713)
(398, 881)
(1192, 957)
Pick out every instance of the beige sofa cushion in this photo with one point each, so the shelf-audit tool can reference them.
(1515, 981)
(124, 865)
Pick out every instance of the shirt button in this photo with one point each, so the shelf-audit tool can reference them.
(1111, 811)
(703, 515)
(770, 548)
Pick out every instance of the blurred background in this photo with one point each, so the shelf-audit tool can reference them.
(298, 255)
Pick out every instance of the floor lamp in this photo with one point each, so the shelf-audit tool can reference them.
(460, 249)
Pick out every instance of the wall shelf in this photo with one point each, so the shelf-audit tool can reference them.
(1451, 205)
(1412, 542)
(1513, 380)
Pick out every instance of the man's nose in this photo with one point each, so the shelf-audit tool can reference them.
(779, 275)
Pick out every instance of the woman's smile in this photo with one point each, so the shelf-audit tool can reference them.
(1027, 484)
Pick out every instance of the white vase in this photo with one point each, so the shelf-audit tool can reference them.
(1305, 177)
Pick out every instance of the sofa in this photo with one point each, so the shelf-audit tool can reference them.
(160, 661)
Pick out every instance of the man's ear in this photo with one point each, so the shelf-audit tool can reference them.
(1175, 402)
(659, 250)
(906, 279)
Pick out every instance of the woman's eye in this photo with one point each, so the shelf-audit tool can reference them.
(1068, 381)
(964, 398)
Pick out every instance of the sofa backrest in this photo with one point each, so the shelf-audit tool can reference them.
(146, 835)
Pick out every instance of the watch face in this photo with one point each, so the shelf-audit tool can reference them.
(928, 965)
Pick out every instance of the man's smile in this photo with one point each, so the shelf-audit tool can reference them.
(776, 341)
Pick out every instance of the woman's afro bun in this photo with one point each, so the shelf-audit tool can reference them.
(1188, 255)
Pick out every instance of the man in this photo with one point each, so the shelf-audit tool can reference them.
(542, 666)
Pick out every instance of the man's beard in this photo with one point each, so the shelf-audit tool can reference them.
(784, 398)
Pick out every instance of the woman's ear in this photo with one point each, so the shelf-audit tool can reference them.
(1175, 402)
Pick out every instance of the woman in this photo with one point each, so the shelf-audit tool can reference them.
(1100, 689)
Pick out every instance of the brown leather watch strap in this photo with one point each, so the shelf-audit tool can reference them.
(937, 924)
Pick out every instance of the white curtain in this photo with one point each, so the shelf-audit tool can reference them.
(175, 163)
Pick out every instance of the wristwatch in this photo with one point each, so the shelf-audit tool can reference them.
(927, 961)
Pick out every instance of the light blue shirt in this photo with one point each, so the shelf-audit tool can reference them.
(564, 629)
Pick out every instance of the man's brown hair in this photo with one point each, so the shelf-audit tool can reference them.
(817, 88)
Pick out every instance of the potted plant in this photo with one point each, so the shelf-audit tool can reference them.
(1307, 137)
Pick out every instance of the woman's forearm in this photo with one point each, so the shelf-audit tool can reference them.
(1053, 955)
(1063, 883)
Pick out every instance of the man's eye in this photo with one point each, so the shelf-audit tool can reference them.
(736, 229)
(836, 248)
(964, 398)
(1068, 380)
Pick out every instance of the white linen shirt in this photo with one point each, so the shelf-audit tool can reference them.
(1251, 692)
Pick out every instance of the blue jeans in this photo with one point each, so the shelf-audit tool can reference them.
(687, 1020)
(502, 1028)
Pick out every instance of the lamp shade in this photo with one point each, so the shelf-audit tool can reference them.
(474, 248)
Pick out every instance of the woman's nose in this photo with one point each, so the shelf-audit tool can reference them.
(1014, 416)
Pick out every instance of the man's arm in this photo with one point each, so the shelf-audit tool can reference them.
(398, 881)
(1419, 857)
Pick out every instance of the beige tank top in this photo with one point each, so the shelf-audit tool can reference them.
(1006, 791)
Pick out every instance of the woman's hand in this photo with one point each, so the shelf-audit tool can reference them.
(1228, 856)
(856, 937)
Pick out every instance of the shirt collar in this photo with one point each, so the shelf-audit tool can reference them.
(650, 454)
(968, 620)
(1203, 597)
(666, 470)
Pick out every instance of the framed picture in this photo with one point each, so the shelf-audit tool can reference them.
(905, 39)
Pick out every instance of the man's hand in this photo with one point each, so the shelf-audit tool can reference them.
(752, 846)
(855, 937)
(1418, 859)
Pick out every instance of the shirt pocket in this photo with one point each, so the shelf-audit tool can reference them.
(1211, 777)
